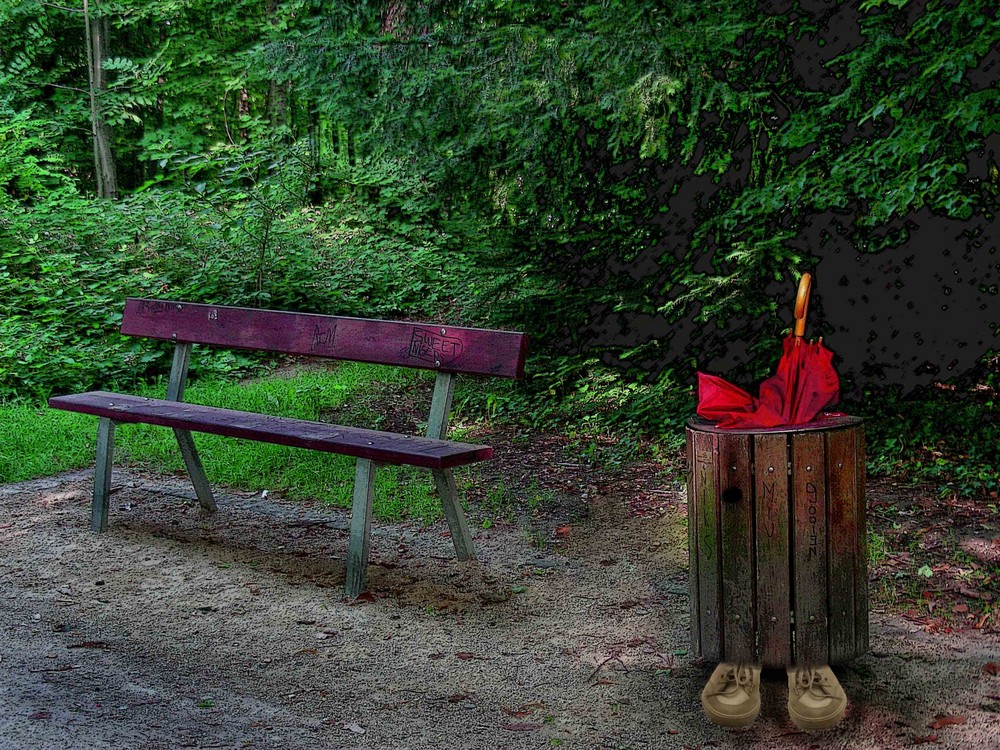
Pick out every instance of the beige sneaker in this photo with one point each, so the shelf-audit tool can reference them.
(732, 696)
(815, 698)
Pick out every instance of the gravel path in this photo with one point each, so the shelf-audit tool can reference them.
(176, 629)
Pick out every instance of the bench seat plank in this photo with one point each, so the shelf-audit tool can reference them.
(384, 447)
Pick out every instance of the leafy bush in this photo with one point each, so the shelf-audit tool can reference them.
(228, 227)
(945, 435)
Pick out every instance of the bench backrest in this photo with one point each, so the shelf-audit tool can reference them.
(424, 345)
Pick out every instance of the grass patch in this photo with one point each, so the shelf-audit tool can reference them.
(38, 441)
(878, 548)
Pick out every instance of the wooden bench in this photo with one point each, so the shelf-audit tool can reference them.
(444, 349)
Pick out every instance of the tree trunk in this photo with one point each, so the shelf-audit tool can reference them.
(96, 31)
(394, 18)
(277, 94)
(277, 104)
(243, 111)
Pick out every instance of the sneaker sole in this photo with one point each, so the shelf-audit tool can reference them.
(730, 720)
(813, 723)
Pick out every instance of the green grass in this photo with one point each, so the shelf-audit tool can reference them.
(38, 441)
(878, 548)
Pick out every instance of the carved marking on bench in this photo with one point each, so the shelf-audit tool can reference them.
(150, 307)
(213, 314)
(429, 346)
(323, 338)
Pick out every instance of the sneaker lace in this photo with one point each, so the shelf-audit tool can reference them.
(812, 680)
(739, 676)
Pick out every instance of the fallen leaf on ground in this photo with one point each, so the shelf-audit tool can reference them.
(464, 655)
(975, 594)
(925, 740)
(353, 728)
(987, 550)
(517, 713)
(992, 668)
(88, 644)
(562, 530)
(944, 721)
(40, 715)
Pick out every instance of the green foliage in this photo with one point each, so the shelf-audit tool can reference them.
(30, 167)
(236, 228)
(579, 171)
(947, 437)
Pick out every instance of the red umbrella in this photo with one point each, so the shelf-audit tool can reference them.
(804, 385)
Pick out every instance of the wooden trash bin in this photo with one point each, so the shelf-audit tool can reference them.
(777, 541)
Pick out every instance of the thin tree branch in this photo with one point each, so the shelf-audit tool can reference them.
(68, 88)
(225, 117)
(61, 7)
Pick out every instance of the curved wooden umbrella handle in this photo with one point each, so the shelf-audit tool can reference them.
(802, 305)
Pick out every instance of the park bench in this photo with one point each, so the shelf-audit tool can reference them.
(444, 349)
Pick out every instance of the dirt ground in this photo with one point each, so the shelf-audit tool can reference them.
(177, 629)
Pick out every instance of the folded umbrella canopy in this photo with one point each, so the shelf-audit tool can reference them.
(804, 385)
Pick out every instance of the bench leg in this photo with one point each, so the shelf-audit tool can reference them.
(102, 474)
(452, 505)
(361, 524)
(194, 468)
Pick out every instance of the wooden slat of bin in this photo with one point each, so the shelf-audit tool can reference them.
(736, 493)
(861, 559)
(709, 590)
(841, 538)
(809, 562)
(771, 490)
(692, 518)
